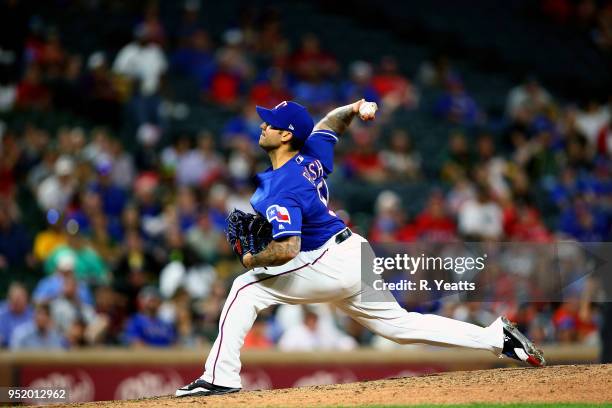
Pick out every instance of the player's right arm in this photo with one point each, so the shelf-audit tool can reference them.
(325, 134)
(339, 119)
(276, 253)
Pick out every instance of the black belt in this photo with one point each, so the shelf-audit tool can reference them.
(343, 236)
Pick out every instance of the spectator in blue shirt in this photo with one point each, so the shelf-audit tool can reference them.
(38, 333)
(113, 197)
(565, 189)
(15, 242)
(194, 57)
(52, 286)
(457, 106)
(315, 91)
(146, 328)
(246, 126)
(14, 312)
(360, 84)
(584, 223)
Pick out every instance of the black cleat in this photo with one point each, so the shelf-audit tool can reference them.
(519, 347)
(200, 387)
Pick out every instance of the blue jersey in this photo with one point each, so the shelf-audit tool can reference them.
(294, 197)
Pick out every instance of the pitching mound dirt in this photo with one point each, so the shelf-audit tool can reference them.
(571, 383)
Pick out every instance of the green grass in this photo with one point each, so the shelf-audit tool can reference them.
(484, 405)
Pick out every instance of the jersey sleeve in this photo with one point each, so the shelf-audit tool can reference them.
(285, 215)
(320, 144)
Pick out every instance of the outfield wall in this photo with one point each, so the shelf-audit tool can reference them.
(104, 374)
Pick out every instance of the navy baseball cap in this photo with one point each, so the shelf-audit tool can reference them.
(290, 116)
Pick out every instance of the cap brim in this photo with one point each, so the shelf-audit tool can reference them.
(268, 116)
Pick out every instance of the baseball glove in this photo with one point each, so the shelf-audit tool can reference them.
(247, 233)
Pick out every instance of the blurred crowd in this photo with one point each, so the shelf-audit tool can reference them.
(590, 17)
(131, 248)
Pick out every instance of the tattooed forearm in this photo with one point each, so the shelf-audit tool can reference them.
(337, 120)
(276, 253)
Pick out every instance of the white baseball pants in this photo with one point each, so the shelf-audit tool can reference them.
(331, 273)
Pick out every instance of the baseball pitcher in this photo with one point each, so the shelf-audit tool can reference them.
(298, 251)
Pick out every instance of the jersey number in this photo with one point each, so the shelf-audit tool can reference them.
(323, 192)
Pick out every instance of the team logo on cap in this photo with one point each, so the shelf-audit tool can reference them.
(278, 213)
(280, 105)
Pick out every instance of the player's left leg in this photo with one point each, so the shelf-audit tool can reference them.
(386, 317)
(390, 320)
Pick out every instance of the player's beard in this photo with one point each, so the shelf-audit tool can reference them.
(266, 142)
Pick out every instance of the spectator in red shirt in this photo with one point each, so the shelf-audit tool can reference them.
(558, 10)
(604, 140)
(52, 56)
(394, 89)
(434, 223)
(10, 153)
(234, 68)
(528, 226)
(585, 326)
(272, 90)
(31, 93)
(310, 56)
(566, 321)
(257, 338)
(364, 160)
(225, 85)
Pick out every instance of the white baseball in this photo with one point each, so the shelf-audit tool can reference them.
(367, 109)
